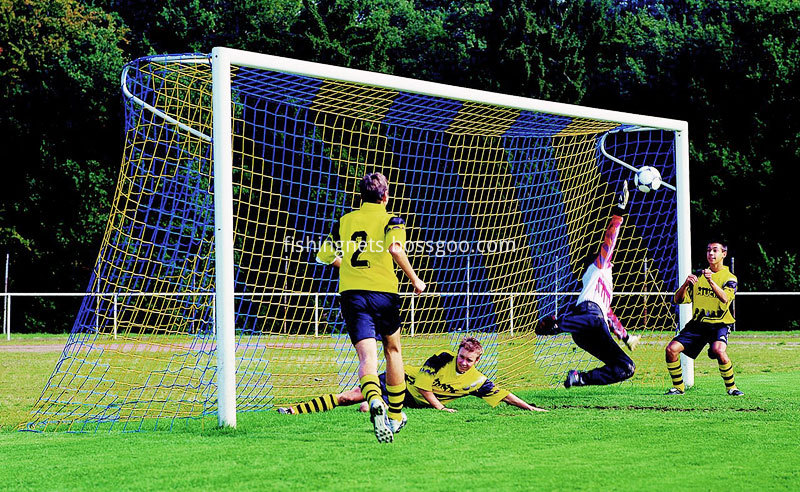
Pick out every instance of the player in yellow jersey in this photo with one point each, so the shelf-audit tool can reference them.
(444, 377)
(711, 292)
(364, 246)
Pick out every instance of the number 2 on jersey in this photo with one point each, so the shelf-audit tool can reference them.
(359, 237)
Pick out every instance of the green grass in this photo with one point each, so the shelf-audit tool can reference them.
(597, 438)
(33, 338)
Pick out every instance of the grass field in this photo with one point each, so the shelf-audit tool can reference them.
(611, 438)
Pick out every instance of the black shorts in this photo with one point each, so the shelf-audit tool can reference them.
(696, 335)
(370, 314)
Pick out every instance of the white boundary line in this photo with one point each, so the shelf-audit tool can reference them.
(424, 294)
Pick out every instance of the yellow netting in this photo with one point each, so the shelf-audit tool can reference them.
(502, 206)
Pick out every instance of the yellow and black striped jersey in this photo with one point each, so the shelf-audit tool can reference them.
(439, 375)
(361, 239)
(706, 306)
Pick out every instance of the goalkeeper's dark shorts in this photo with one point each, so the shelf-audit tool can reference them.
(697, 334)
(370, 314)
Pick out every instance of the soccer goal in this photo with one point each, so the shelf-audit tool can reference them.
(206, 299)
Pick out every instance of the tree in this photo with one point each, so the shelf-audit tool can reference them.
(731, 69)
(180, 26)
(545, 49)
(59, 66)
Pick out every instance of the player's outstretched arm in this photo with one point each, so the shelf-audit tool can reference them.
(609, 242)
(620, 332)
(329, 253)
(612, 230)
(616, 326)
(513, 399)
(400, 257)
(434, 402)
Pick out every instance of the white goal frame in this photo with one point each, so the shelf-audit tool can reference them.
(221, 61)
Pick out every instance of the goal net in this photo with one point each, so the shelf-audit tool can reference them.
(503, 198)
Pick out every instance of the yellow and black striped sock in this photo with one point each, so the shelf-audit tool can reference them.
(726, 371)
(396, 395)
(319, 404)
(676, 374)
(370, 387)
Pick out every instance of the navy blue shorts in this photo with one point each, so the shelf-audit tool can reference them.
(370, 314)
(696, 335)
(589, 329)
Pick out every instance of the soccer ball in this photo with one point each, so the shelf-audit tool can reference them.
(647, 178)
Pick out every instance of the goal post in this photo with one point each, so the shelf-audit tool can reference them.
(435, 89)
(237, 164)
(329, 72)
(684, 240)
(222, 155)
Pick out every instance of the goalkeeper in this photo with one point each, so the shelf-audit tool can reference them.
(444, 377)
(591, 321)
(363, 245)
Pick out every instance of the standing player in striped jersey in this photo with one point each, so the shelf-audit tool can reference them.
(444, 377)
(711, 293)
(363, 245)
(589, 320)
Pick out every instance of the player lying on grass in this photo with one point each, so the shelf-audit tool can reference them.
(711, 293)
(444, 377)
(591, 321)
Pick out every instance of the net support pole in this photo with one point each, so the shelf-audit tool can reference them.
(316, 315)
(116, 316)
(733, 302)
(413, 307)
(8, 317)
(684, 239)
(6, 303)
(511, 313)
(468, 294)
(223, 234)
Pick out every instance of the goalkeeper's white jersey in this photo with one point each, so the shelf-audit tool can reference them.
(597, 281)
(598, 286)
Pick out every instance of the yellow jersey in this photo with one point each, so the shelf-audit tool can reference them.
(439, 375)
(706, 306)
(361, 239)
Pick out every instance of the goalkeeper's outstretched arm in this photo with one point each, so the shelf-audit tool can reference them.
(620, 332)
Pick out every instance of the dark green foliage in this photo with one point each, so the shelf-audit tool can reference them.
(730, 68)
(60, 126)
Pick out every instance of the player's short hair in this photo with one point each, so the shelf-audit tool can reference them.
(373, 187)
(724, 246)
(471, 344)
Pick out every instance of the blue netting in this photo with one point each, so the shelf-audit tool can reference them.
(461, 173)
